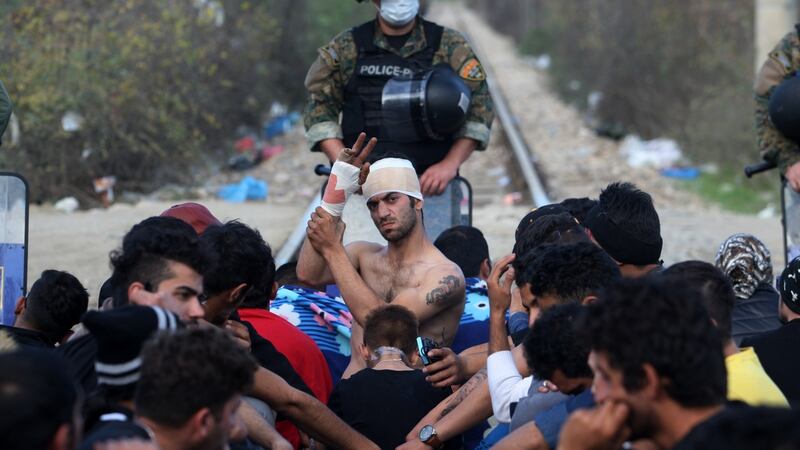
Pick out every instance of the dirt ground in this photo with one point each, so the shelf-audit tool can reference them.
(80, 242)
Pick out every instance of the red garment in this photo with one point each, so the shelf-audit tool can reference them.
(301, 351)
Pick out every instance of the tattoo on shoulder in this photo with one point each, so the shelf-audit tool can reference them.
(447, 286)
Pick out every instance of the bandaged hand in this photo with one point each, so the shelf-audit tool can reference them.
(347, 175)
(342, 183)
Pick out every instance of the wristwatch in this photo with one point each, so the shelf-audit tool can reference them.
(429, 437)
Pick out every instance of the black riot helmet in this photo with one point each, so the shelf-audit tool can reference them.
(431, 104)
(784, 108)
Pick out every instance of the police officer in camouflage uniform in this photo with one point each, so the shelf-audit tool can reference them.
(349, 74)
(783, 63)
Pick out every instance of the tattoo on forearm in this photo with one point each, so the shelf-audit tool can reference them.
(464, 391)
(447, 286)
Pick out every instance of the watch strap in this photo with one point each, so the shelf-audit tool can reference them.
(434, 441)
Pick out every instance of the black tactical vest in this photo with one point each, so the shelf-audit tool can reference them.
(362, 95)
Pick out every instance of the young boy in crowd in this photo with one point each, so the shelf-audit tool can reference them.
(387, 398)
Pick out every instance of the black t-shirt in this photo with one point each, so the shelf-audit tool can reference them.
(384, 405)
(742, 427)
(777, 351)
(28, 338)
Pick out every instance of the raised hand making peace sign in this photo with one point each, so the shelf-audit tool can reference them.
(357, 155)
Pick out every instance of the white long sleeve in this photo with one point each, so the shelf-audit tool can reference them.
(506, 385)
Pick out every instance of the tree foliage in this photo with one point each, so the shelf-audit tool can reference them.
(681, 68)
(160, 84)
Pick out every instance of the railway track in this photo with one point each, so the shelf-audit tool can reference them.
(506, 168)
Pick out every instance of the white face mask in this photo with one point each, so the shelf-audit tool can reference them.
(399, 12)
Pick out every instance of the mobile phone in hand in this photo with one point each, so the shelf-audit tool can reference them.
(424, 345)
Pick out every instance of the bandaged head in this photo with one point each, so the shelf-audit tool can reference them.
(392, 175)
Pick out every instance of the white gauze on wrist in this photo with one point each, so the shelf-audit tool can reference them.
(342, 183)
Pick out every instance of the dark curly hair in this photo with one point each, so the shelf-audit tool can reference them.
(570, 272)
(55, 303)
(190, 369)
(465, 246)
(552, 344)
(242, 257)
(579, 207)
(146, 251)
(553, 228)
(665, 324)
(632, 210)
(715, 287)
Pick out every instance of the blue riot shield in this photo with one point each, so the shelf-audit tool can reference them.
(13, 242)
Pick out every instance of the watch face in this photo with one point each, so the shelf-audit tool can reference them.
(426, 433)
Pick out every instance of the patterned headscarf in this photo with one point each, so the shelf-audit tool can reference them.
(746, 261)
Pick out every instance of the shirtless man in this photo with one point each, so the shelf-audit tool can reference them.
(409, 271)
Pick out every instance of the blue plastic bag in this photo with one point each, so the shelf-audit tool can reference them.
(248, 189)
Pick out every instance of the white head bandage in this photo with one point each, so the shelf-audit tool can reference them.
(392, 175)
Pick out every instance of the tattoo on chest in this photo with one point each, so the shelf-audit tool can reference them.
(447, 286)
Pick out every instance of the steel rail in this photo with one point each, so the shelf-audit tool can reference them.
(522, 151)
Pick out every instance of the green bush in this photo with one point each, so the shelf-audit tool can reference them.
(161, 85)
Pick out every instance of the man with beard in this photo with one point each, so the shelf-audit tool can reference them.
(659, 371)
(410, 271)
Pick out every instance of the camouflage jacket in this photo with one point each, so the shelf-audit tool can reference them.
(5, 110)
(335, 63)
(783, 62)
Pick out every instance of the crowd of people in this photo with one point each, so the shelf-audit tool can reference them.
(580, 338)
